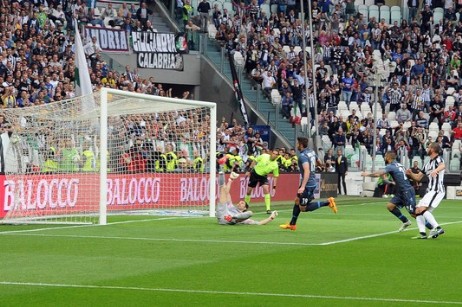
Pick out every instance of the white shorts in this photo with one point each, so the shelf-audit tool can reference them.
(431, 199)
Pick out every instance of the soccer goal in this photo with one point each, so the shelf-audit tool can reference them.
(114, 152)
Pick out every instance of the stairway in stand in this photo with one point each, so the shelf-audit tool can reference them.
(265, 109)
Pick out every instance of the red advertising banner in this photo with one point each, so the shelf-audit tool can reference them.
(51, 194)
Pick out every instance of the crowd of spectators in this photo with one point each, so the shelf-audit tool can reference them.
(37, 64)
(422, 61)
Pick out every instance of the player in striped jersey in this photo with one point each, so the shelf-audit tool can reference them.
(434, 170)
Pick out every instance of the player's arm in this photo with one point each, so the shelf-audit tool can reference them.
(275, 177)
(440, 168)
(319, 163)
(268, 219)
(374, 174)
(414, 176)
(306, 176)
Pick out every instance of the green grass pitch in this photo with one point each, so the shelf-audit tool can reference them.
(353, 258)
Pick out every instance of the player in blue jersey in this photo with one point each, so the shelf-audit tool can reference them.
(307, 162)
(404, 191)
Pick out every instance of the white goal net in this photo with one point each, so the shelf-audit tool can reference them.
(114, 152)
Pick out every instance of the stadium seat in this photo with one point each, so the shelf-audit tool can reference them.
(277, 32)
(342, 106)
(212, 30)
(437, 16)
(456, 145)
(454, 165)
(384, 8)
(373, 7)
(385, 15)
(374, 13)
(450, 100)
(395, 8)
(353, 105)
(365, 13)
(354, 161)
(394, 123)
(391, 115)
(455, 153)
(265, 7)
(433, 134)
(229, 6)
(451, 90)
(382, 132)
(438, 9)
(275, 97)
(395, 16)
(349, 151)
(239, 59)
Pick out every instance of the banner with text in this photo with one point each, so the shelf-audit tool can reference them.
(48, 194)
(159, 50)
(110, 40)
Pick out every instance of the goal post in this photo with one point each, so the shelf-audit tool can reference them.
(129, 153)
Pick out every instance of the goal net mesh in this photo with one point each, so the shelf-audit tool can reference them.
(157, 156)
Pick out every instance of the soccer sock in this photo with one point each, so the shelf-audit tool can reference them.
(295, 213)
(316, 205)
(430, 219)
(268, 201)
(396, 212)
(221, 179)
(428, 225)
(420, 223)
(247, 199)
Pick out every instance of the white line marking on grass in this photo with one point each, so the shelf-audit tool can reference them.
(27, 233)
(375, 235)
(217, 292)
(82, 226)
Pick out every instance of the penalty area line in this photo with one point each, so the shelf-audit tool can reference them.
(217, 292)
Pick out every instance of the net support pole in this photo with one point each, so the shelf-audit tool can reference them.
(213, 159)
(103, 159)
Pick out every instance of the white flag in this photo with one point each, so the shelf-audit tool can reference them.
(82, 77)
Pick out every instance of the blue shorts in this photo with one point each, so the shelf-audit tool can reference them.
(405, 199)
(307, 196)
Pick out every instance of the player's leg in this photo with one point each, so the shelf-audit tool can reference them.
(266, 195)
(307, 204)
(393, 206)
(292, 225)
(253, 180)
(432, 202)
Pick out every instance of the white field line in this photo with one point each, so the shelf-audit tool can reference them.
(213, 241)
(232, 293)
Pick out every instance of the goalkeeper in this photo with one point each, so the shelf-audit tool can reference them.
(260, 168)
(229, 214)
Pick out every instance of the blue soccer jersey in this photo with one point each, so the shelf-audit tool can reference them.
(308, 156)
(405, 194)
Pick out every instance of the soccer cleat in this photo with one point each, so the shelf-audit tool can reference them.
(228, 218)
(268, 212)
(422, 236)
(234, 175)
(436, 232)
(405, 226)
(288, 227)
(332, 204)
